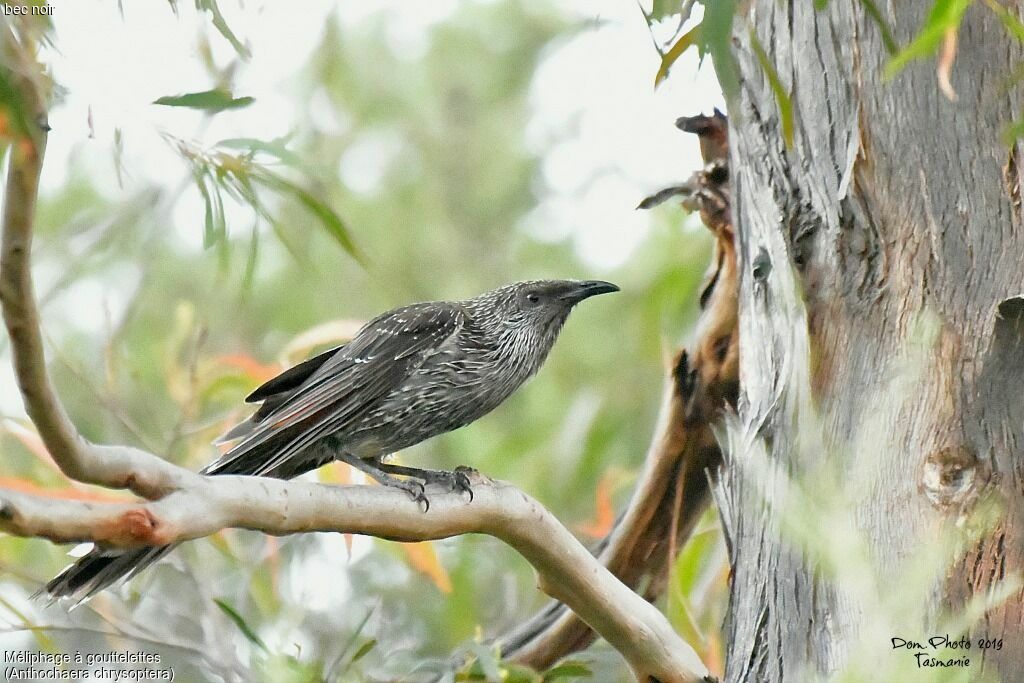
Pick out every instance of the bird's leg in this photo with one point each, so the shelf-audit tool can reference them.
(374, 469)
(456, 480)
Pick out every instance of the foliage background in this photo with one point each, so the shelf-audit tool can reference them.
(447, 170)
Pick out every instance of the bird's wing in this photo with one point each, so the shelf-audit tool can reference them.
(275, 392)
(377, 361)
(292, 378)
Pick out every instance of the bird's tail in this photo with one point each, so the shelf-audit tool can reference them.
(100, 568)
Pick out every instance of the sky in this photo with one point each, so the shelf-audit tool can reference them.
(601, 77)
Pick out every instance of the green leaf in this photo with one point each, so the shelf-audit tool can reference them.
(240, 623)
(945, 16)
(363, 650)
(249, 276)
(781, 96)
(214, 100)
(1012, 24)
(1014, 132)
(692, 566)
(567, 670)
(348, 645)
(330, 219)
(210, 222)
(276, 148)
(664, 8)
(716, 39)
(684, 43)
(222, 27)
(883, 26)
(488, 661)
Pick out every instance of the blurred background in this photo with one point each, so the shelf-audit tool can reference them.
(391, 152)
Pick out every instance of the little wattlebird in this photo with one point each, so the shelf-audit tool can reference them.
(407, 375)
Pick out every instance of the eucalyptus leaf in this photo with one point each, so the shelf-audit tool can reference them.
(215, 100)
(716, 39)
(944, 16)
(237, 619)
(781, 95)
(685, 42)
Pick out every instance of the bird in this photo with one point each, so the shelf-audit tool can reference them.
(406, 376)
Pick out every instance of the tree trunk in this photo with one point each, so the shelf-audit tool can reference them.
(875, 473)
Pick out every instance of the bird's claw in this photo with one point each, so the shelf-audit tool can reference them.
(417, 491)
(460, 480)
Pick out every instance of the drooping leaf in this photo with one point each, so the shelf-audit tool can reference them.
(1011, 23)
(332, 670)
(716, 39)
(945, 16)
(363, 650)
(209, 219)
(604, 512)
(328, 217)
(237, 619)
(249, 275)
(684, 43)
(222, 26)
(276, 148)
(781, 96)
(423, 558)
(215, 100)
(883, 26)
(45, 642)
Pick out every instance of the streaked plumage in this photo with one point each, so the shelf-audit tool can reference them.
(407, 375)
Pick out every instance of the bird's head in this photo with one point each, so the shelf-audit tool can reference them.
(533, 312)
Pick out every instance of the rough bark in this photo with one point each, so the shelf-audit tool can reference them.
(881, 347)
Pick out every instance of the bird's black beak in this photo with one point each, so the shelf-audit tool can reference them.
(588, 288)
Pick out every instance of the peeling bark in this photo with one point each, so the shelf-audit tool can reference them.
(880, 258)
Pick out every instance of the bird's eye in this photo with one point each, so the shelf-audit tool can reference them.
(533, 298)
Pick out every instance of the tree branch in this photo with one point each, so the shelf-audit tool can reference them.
(565, 569)
(185, 505)
(111, 466)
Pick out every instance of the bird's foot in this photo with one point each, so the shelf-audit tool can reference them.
(413, 488)
(457, 480)
(460, 480)
(382, 474)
